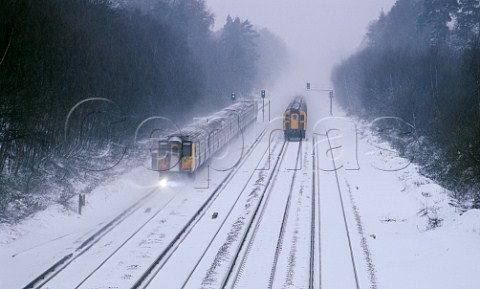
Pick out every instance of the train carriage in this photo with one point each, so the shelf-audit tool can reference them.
(295, 119)
(185, 150)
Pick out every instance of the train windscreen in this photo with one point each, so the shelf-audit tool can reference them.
(163, 148)
(187, 149)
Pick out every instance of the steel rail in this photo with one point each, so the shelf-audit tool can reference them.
(149, 274)
(354, 267)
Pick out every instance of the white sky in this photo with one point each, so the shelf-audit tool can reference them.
(321, 33)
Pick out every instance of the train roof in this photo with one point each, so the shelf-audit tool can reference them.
(207, 125)
(298, 103)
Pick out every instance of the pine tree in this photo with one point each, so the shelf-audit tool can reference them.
(437, 14)
(468, 18)
(238, 50)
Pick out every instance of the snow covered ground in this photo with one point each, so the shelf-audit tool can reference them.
(384, 237)
(390, 210)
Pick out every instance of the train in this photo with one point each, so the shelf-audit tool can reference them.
(295, 119)
(186, 150)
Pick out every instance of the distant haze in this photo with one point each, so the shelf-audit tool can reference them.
(319, 33)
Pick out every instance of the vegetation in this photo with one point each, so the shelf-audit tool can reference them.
(78, 77)
(421, 62)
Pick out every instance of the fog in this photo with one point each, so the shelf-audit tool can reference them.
(318, 33)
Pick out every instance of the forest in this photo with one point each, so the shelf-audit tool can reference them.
(421, 63)
(79, 79)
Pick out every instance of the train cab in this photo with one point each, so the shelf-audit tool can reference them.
(188, 156)
(175, 144)
(295, 119)
(161, 159)
(169, 155)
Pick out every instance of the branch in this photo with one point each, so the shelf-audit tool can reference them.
(8, 46)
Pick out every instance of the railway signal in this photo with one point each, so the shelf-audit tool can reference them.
(263, 104)
(233, 96)
(330, 94)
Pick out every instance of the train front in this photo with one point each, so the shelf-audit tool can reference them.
(174, 157)
(295, 119)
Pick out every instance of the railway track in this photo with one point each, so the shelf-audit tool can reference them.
(50, 273)
(147, 277)
(242, 253)
(234, 275)
(63, 262)
(291, 265)
(344, 217)
(315, 265)
(184, 278)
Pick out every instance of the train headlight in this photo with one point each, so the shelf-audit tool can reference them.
(163, 183)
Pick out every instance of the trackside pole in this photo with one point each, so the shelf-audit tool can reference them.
(331, 101)
(269, 110)
(81, 203)
(263, 110)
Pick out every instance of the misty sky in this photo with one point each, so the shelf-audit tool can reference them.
(320, 33)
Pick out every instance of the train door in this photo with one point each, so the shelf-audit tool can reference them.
(175, 153)
(160, 157)
(187, 156)
(196, 157)
(198, 152)
(294, 121)
(286, 122)
(303, 124)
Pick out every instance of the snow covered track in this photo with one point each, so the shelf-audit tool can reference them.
(347, 230)
(339, 268)
(286, 215)
(297, 261)
(261, 234)
(278, 203)
(315, 243)
(135, 240)
(147, 277)
(60, 265)
(204, 247)
(90, 259)
(127, 260)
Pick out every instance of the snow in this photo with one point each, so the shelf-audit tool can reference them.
(395, 204)
(390, 213)
(31, 247)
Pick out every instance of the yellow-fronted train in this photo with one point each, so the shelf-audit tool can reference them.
(295, 119)
(186, 150)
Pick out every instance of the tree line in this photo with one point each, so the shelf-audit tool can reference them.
(78, 77)
(421, 63)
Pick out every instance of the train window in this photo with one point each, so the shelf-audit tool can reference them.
(187, 149)
(302, 117)
(163, 148)
(294, 117)
(175, 150)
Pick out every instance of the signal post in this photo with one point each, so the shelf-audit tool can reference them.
(330, 94)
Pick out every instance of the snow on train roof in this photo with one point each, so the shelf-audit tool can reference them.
(298, 103)
(206, 125)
